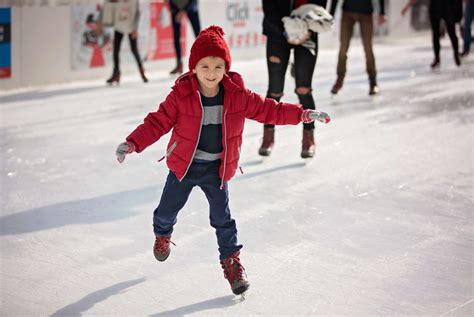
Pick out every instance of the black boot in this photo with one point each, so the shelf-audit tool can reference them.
(178, 70)
(115, 78)
(457, 59)
(373, 88)
(435, 63)
(142, 73)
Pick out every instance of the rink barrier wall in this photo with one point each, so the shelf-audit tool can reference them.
(42, 50)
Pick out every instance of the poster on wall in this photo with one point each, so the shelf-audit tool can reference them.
(244, 23)
(92, 47)
(5, 43)
(161, 43)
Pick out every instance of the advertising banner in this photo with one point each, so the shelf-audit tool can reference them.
(5, 43)
(244, 23)
(161, 44)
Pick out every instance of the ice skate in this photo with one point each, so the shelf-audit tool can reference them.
(337, 85)
(234, 272)
(162, 249)
(267, 141)
(308, 144)
(115, 78)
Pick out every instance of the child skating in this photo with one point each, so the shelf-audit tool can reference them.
(206, 109)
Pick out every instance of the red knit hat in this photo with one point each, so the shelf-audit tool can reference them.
(210, 42)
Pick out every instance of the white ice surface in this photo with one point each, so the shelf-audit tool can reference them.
(380, 222)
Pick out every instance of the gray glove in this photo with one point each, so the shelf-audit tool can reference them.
(123, 149)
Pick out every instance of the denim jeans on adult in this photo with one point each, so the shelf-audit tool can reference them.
(305, 63)
(193, 16)
(176, 193)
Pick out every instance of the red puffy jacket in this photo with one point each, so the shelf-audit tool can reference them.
(182, 110)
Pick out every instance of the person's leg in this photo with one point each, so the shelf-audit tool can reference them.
(219, 212)
(467, 36)
(116, 58)
(347, 27)
(278, 55)
(136, 54)
(366, 30)
(177, 44)
(174, 197)
(305, 63)
(435, 20)
(116, 54)
(193, 16)
(451, 29)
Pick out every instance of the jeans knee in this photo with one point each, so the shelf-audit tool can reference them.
(303, 91)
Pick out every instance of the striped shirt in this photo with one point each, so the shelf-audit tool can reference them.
(210, 141)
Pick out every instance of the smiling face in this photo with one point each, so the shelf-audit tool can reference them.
(210, 71)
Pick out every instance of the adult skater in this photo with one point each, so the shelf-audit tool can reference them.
(123, 16)
(361, 12)
(180, 8)
(278, 52)
(447, 10)
(206, 109)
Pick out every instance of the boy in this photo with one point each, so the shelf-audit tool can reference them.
(206, 109)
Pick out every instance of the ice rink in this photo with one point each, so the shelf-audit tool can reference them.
(379, 223)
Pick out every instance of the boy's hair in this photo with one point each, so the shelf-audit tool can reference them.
(210, 42)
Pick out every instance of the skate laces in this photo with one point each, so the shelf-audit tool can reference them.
(233, 269)
(162, 244)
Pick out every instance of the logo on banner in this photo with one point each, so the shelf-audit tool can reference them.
(237, 14)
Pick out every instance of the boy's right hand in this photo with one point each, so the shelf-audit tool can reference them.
(123, 149)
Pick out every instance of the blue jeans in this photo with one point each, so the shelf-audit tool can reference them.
(468, 12)
(176, 193)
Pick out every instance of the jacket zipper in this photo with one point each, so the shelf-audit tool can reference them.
(168, 153)
(199, 136)
(225, 151)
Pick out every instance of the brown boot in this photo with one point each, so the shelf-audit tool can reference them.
(337, 85)
(308, 144)
(267, 142)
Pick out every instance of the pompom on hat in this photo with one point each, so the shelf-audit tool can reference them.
(210, 42)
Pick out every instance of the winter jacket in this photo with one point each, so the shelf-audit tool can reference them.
(122, 15)
(274, 11)
(358, 6)
(182, 111)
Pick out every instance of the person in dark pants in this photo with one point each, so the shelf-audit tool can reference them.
(357, 11)
(180, 8)
(206, 110)
(450, 11)
(278, 55)
(466, 32)
(123, 16)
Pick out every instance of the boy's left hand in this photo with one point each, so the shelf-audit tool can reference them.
(309, 116)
